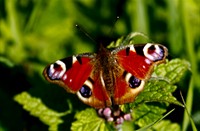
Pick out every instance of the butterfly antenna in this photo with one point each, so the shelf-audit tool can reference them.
(85, 32)
(114, 23)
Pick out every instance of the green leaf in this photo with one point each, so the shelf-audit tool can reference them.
(172, 71)
(87, 120)
(38, 109)
(148, 113)
(165, 125)
(128, 126)
(6, 61)
(157, 91)
(196, 117)
(132, 38)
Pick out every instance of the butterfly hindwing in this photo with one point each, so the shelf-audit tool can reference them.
(99, 96)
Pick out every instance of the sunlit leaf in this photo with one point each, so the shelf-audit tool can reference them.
(172, 71)
(87, 120)
(165, 125)
(38, 109)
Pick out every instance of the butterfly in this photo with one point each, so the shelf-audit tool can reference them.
(108, 77)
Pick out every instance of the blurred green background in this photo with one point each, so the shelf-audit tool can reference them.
(36, 33)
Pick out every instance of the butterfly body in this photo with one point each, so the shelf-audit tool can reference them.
(108, 77)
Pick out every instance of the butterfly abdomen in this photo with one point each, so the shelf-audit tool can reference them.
(106, 68)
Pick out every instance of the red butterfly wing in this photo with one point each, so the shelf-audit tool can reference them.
(62, 73)
(75, 74)
(140, 59)
(138, 62)
(99, 97)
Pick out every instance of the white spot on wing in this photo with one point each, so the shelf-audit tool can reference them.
(74, 59)
(158, 50)
(89, 84)
(132, 48)
(156, 55)
(70, 80)
(145, 51)
(148, 61)
(63, 68)
(127, 77)
(53, 73)
(51, 70)
(64, 77)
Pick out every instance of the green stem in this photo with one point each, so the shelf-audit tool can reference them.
(12, 18)
(189, 99)
(137, 13)
(141, 23)
(189, 38)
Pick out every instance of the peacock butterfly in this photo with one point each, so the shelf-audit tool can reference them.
(110, 77)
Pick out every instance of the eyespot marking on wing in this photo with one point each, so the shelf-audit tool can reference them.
(153, 52)
(56, 70)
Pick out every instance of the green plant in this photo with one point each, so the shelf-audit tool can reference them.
(35, 33)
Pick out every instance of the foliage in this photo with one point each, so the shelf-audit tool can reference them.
(35, 33)
(38, 109)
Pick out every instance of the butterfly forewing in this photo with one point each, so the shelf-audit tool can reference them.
(70, 72)
(141, 58)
